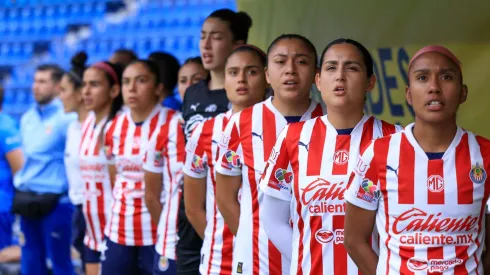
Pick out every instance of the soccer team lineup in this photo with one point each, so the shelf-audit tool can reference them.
(248, 174)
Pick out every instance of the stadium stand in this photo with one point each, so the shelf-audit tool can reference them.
(35, 32)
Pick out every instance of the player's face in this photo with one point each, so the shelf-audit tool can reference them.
(139, 87)
(44, 88)
(69, 95)
(190, 74)
(343, 79)
(216, 43)
(97, 93)
(436, 88)
(245, 82)
(291, 70)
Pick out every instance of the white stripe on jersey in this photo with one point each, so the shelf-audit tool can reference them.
(130, 222)
(97, 185)
(246, 146)
(202, 154)
(309, 167)
(166, 155)
(430, 212)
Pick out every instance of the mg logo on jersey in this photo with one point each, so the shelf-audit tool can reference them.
(435, 183)
(341, 157)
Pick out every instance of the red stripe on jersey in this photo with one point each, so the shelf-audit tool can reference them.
(138, 217)
(317, 112)
(180, 144)
(292, 137)
(406, 171)
(461, 253)
(121, 237)
(315, 149)
(101, 206)
(136, 140)
(91, 138)
(269, 132)
(367, 135)
(226, 252)
(339, 252)
(381, 146)
(163, 135)
(435, 178)
(435, 253)
(247, 148)
(124, 133)
(341, 155)
(154, 123)
(406, 253)
(464, 183)
(387, 128)
(316, 255)
(86, 130)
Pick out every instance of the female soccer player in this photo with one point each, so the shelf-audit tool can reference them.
(222, 31)
(245, 86)
(308, 169)
(247, 143)
(426, 187)
(131, 230)
(102, 97)
(191, 72)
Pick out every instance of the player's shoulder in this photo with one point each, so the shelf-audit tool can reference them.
(385, 127)
(483, 142)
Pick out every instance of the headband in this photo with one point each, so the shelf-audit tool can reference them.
(438, 49)
(108, 69)
(261, 52)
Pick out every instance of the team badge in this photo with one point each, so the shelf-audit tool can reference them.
(478, 174)
(197, 165)
(163, 263)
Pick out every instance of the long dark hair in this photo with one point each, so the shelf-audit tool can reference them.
(366, 56)
(78, 67)
(238, 22)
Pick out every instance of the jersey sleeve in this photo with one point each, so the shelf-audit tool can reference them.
(9, 140)
(153, 158)
(109, 141)
(229, 161)
(196, 161)
(174, 153)
(363, 187)
(278, 178)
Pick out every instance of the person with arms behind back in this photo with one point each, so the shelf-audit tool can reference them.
(425, 188)
(41, 197)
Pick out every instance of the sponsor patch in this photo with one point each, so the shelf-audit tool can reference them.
(239, 268)
(158, 162)
(231, 160)
(198, 166)
(368, 191)
(433, 265)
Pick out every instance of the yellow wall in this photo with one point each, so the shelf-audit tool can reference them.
(393, 31)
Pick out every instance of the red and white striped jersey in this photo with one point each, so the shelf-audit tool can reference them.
(430, 212)
(247, 144)
(202, 154)
(130, 223)
(309, 167)
(97, 184)
(166, 155)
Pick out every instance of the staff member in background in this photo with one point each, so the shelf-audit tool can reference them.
(41, 185)
(169, 68)
(11, 160)
(71, 96)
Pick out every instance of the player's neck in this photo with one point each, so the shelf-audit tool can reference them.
(344, 120)
(139, 116)
(217, 80)
(434, 138)
(82, 113)
(291, 107)
(101, 114)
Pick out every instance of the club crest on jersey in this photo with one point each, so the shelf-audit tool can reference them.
(478, 174)
(197, 165)
(158, 162)
(163, 263)
(368, 191)
(232, 160)
(341, 157)
(435, 183)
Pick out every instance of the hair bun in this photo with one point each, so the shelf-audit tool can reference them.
(78, 60)
(244, 19)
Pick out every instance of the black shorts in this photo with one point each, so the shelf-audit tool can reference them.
(188, 262)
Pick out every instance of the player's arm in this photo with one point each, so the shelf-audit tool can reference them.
(10, 145)
(195, 203)
(276, 184)
(229, 176)
(108, 142)
(486, 255)
(153, 176)
(15, 159)
(362, 198)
